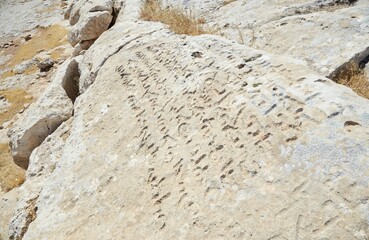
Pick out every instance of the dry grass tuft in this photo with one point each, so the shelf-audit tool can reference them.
(178, 20)
(355, 78)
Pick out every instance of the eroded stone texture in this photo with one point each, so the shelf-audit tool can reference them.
(46, 114)
(90, 28)
(198, 138)
(89, 19)
(8, 202)
(43, 162)
(179, 137)
(324, 34)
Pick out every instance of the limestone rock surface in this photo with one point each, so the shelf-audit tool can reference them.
(8, 202)
(89, 19)
(179, 137)
(200, 138)
(325, 34)
(46, 114)
(90, 28)
(42, 163)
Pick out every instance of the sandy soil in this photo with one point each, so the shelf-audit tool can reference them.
(30, 31)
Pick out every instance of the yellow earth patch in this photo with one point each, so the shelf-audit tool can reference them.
(17, 98)
(46, 39)
(11, 175)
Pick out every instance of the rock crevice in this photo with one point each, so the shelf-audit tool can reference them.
(359, 60)
(199, 132)
(45, 115)
(212, 129)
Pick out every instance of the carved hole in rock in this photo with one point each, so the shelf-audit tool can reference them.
(353, 75)
(71, 81)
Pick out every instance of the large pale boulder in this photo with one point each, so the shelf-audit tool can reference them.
(89, 19)
(201, 138)
(325, 34)
(107, 45)
(179, 137)
(79, 8)
(46, 114)
(43, 162)
(90, 28)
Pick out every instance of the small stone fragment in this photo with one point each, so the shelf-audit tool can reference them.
(45, 65)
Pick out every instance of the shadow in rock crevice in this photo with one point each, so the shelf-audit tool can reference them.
(71, 81)
(353, 75)
(117, 6)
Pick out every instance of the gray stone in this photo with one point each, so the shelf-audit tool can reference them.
(45, 65)
(192, 141)
(324, 34)
(44, 116)
(90, 28)
(21, 68)
(43, 162)
(89, 19)
(81, 46)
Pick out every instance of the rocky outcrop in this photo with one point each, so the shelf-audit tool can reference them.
(108, 44)
(202, 134)
(44, 116)
(195, 137)
(89, 20)
(324, 34)
(42, 163)
(90, 28)
(81, 46)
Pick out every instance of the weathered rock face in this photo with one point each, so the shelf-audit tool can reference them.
(44, 116)
(84, 45)
(43, 162)
(89, 20)
(197, 137)
(90, 28)
(325, 34)
(27, 36)
(7, 206)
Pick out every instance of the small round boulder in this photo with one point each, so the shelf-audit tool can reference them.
(45, 65)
